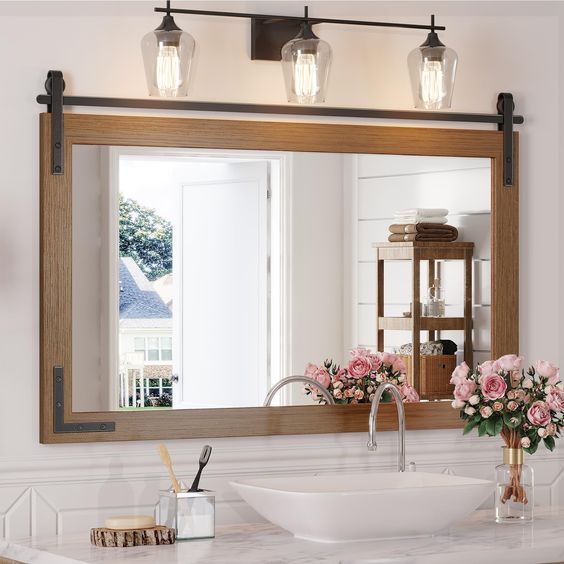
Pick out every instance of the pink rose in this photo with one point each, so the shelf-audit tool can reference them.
(409, 394)
(338, 393)
(322, 376)
(510, 362)
(360, 352)
(359, 366)
(487, 368)
(388, 358)
(341, 375)
(555, 399)
(399, 366)
(493, 387)
(551, 429)
(349, 393)
(463, 390)
(512, 405)
(548, 370)
(376, 361)
(358, 394)
(310, 370)
(486, 411)
(539, 413)
(497, 406)
(460, 373)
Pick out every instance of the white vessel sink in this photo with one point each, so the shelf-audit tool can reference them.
(354, 507)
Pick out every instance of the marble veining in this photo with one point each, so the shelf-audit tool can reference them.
(477, 539)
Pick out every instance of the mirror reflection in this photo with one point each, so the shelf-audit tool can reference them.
(203, 278)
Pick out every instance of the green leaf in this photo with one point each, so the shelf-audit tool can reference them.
(490, 427)
(482, 428)
(470, 425)
(549, 443)
(498, 425)
(532, 449)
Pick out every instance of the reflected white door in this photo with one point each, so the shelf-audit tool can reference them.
(221, 247)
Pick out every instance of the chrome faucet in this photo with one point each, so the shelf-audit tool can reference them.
(306, 380)
(401, 421)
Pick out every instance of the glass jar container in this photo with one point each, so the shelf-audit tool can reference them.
(514, 494)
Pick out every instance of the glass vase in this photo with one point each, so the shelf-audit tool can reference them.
(514, 494)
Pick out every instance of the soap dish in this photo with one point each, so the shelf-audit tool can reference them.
(151, 536)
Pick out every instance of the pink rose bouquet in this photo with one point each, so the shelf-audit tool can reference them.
(357, 382)
(524, 407)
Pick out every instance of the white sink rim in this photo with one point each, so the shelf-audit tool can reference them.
(412, 503)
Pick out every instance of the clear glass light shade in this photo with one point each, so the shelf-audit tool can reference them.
(305, 63)
(167, 55)
(432, 70)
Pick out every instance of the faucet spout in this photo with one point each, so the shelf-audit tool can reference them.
(304, 379)
(372, 446)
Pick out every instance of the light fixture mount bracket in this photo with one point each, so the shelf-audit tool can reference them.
(269, 36)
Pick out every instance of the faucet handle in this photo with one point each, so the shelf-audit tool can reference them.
(411, 467)
(372, 447)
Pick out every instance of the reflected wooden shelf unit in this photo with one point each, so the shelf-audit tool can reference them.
(415, 252)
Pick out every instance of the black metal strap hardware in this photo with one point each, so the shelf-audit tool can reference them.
(59, 425)
(506, 107)
(55, 85)
(504, 119)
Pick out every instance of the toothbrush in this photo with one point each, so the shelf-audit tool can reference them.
(165, 457)
(204, 457)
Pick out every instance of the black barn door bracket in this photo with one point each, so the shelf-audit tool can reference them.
(506, 107)
(55, 101)
(55, 86)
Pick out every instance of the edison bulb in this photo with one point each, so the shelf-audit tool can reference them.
(305, 63)
(432, 83)
(167, 73)
(432, 70)
(306, 83)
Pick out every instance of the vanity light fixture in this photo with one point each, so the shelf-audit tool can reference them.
(305, 58)
(305, 62)
(167, 55)
(432, 69)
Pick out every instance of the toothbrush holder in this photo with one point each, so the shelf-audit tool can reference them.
(191, 514)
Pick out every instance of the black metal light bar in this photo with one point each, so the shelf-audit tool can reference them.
(504, 119)
(270, 32)
(298, 19)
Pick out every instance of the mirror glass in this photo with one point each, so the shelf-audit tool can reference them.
(200, 278)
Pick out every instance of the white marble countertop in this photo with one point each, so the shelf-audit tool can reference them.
(478, 539)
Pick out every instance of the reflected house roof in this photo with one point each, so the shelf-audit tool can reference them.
(139, 304)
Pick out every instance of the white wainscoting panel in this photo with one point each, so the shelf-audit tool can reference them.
(71, 493)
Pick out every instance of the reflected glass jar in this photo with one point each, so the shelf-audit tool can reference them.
(514, 494)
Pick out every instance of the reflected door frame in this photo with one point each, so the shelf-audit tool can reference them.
(280, 216)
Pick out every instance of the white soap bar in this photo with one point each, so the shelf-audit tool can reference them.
(130, 522)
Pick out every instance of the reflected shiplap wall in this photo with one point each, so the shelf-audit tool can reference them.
(383, 184)
(61, 487)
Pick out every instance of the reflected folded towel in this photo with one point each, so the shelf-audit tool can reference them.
(447, 237)
(425, 228)
(422, 212)
(420, 219)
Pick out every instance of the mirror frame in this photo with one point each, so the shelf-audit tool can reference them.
(56, 269)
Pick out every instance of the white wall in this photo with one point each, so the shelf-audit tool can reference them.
(44, 489)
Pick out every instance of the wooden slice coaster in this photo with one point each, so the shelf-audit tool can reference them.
(150, 536)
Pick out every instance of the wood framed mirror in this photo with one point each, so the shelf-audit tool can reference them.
(65, 263)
